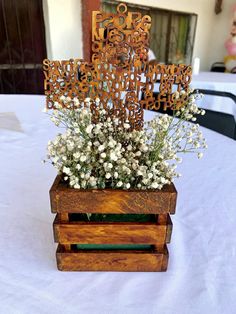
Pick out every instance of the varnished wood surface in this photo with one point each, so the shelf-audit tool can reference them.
(110, 233)
(122, 260)
(65, 199)
(169, 229)
(164, 219)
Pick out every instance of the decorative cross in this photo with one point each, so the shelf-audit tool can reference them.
(119, 72)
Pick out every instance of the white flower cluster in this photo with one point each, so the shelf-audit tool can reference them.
(106, 155)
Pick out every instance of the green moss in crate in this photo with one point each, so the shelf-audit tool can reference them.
(113, 247)
(113, 217)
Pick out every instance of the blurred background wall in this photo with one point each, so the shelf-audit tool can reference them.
(64, 28)
(32, 30)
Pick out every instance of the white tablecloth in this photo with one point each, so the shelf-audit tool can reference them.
(223, 82)
(201, 275)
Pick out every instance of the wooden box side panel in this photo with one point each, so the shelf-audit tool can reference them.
(169, 229)
(109, 233)
(64, 199)
(53, 194)
(112, 260)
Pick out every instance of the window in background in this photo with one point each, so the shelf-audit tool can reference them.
(172, 33)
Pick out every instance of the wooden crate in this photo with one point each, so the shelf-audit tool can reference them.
(67, 202)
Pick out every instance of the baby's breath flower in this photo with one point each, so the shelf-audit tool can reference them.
(109, 153)
(103, 155)
(83, 158)
(200, 155)
(154, 185)
(113, 156)
(101, 148)
(66, 170)
(89, 128)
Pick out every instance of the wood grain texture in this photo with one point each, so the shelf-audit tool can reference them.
(65, 199)
(110, 260)
(169, 229)
(165, 220)
(109, 233)
(64, 217)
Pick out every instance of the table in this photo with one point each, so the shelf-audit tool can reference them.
(216, 81)
(201, 275)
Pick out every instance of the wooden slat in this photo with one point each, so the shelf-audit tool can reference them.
(109, 233)
(64, 199)
(164, 219)
(111, 260)
(169, 229)
(64, 217)
(53, 194)
(165, 259)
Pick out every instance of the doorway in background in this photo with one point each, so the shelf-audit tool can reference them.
(22, 46)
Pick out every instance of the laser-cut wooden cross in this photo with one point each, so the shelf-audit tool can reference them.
(119, 71)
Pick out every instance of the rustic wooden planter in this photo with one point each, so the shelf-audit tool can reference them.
(72, 234)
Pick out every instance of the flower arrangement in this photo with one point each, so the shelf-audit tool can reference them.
(108, 154)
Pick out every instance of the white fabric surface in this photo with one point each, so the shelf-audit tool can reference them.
(9, 121)
(202, 267)
(223, 82)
